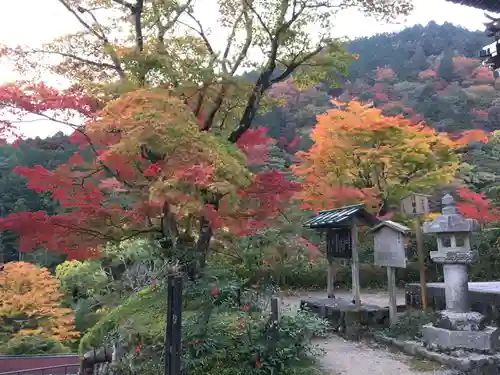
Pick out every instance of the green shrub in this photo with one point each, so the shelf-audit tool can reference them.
(224, 332)
(246, 343)
(143, 313)
(33, 344)
(409, 324)
(487, 266)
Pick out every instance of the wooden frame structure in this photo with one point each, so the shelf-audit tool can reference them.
(341, 227)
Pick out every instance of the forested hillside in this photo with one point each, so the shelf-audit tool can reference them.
(430, 73)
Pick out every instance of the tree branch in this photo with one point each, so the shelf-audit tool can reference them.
(78, 58)
(296, 63)
(201, 33)
(137, 13)
(102, 38)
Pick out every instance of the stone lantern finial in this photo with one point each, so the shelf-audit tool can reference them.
(448, 205)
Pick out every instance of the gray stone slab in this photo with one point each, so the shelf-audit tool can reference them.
(469, 321)
(486, 340)
(340, 304)
(486, 286)
(484, 297)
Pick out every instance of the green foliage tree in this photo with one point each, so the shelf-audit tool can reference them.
(445, 69)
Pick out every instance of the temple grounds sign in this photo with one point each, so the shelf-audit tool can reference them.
(390, 240)
(389, 244)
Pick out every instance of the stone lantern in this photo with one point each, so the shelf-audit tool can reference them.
(457, 326)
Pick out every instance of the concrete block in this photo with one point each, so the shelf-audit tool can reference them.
(486, 340)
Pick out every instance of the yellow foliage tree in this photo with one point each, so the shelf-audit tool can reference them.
(361, 155)
(31, 293)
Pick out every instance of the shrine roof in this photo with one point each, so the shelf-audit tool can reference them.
(489, 5)
(339, 217)
(391, 224)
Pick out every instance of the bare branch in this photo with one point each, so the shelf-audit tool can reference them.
(201, 33)
(80, 19)
(261, 20)
(246, 45)
(102, 38)
(241, 56)
(296, 63)
(230, 42)
(102, 65)
(162, 29)
(125, 4)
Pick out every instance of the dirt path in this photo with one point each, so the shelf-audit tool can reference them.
(362, 358)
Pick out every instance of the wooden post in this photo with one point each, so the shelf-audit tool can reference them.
(391, 287)
(421, 262)
(275, 309)
(330, 279)
(355, 265)
(172, 348)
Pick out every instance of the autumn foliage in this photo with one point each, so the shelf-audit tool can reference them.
(141, 155)
(31, 294)
(361, 155)
(476, 206)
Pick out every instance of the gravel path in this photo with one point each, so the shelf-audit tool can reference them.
(365, 358)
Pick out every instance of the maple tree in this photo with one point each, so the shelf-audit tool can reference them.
(32, 294)
(167, 43)
(151, 161)
(361, 155)
(166, 134)
(476, 206)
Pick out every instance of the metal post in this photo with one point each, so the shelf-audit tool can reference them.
(173, 330)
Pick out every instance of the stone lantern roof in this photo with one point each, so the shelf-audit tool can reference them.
(450, 221)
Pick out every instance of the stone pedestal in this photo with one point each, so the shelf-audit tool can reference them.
(457, 327)
(456, 287)
(443, 339)
(461, 330)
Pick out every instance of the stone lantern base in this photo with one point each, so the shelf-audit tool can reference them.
(454, 330)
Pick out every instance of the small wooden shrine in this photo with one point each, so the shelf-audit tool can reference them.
(341, 228)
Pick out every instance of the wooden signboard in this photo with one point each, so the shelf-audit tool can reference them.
(339, 243)
(389, 248)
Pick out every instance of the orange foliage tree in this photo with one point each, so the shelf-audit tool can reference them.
(361, 155)
(30, 294)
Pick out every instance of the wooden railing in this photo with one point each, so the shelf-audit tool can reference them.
(13, 363)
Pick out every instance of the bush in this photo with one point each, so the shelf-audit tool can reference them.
(143, 313)
(33, 344)
(246, 343)
(409, 324)
(487, 266)
(224, 332)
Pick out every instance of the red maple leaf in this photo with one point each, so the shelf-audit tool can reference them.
(254, 144)
(476, 206)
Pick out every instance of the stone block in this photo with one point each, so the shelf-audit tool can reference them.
(487, 340)
(456, 321)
